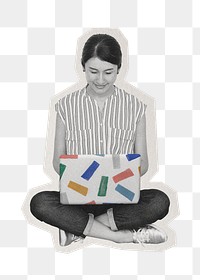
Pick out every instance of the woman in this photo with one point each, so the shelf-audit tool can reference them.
(85, 120)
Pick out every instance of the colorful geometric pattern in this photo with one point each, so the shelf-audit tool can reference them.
(123, 175)
(69, 156)
(78, 188)
(132, 156)
(116, 161)
(94, 179)
(103, 186)
(62, 169)
(125, 192)
(90, 171)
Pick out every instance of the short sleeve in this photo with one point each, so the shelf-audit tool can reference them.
(60, 109)
(141, 109)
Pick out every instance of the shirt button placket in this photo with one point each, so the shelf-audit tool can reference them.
(101, 133)
(101, 137)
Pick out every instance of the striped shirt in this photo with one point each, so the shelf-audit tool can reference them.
(92, 131)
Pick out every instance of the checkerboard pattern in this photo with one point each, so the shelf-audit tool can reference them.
(37, 56)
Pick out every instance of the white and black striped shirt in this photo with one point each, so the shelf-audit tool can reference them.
(92, 131)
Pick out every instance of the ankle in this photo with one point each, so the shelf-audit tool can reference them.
(124, 236)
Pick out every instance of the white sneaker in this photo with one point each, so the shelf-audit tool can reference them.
(150, 235)
(66, 238)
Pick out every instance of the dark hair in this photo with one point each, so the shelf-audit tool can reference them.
(103, 46)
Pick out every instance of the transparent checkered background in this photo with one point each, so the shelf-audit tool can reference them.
(37, 53)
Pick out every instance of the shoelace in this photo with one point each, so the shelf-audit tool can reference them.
(141, 236)
(77, 238)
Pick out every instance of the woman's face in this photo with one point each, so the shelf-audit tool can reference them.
(100, 76)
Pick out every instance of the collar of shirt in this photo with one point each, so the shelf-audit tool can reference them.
(89, 96)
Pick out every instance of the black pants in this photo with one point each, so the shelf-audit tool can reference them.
(77, 219)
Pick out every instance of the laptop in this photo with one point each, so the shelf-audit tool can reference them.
(100, 179)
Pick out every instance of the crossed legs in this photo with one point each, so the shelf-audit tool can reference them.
(111, 222)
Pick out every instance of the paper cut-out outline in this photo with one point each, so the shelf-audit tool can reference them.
(145, 179)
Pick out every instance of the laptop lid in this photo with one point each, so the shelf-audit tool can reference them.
(99, 179)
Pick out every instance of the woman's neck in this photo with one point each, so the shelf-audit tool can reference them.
(99, 97)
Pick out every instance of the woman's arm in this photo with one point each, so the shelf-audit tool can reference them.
(59, 143)
(141, 145)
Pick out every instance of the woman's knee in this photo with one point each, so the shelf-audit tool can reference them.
(162, 202)
(37, 203)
